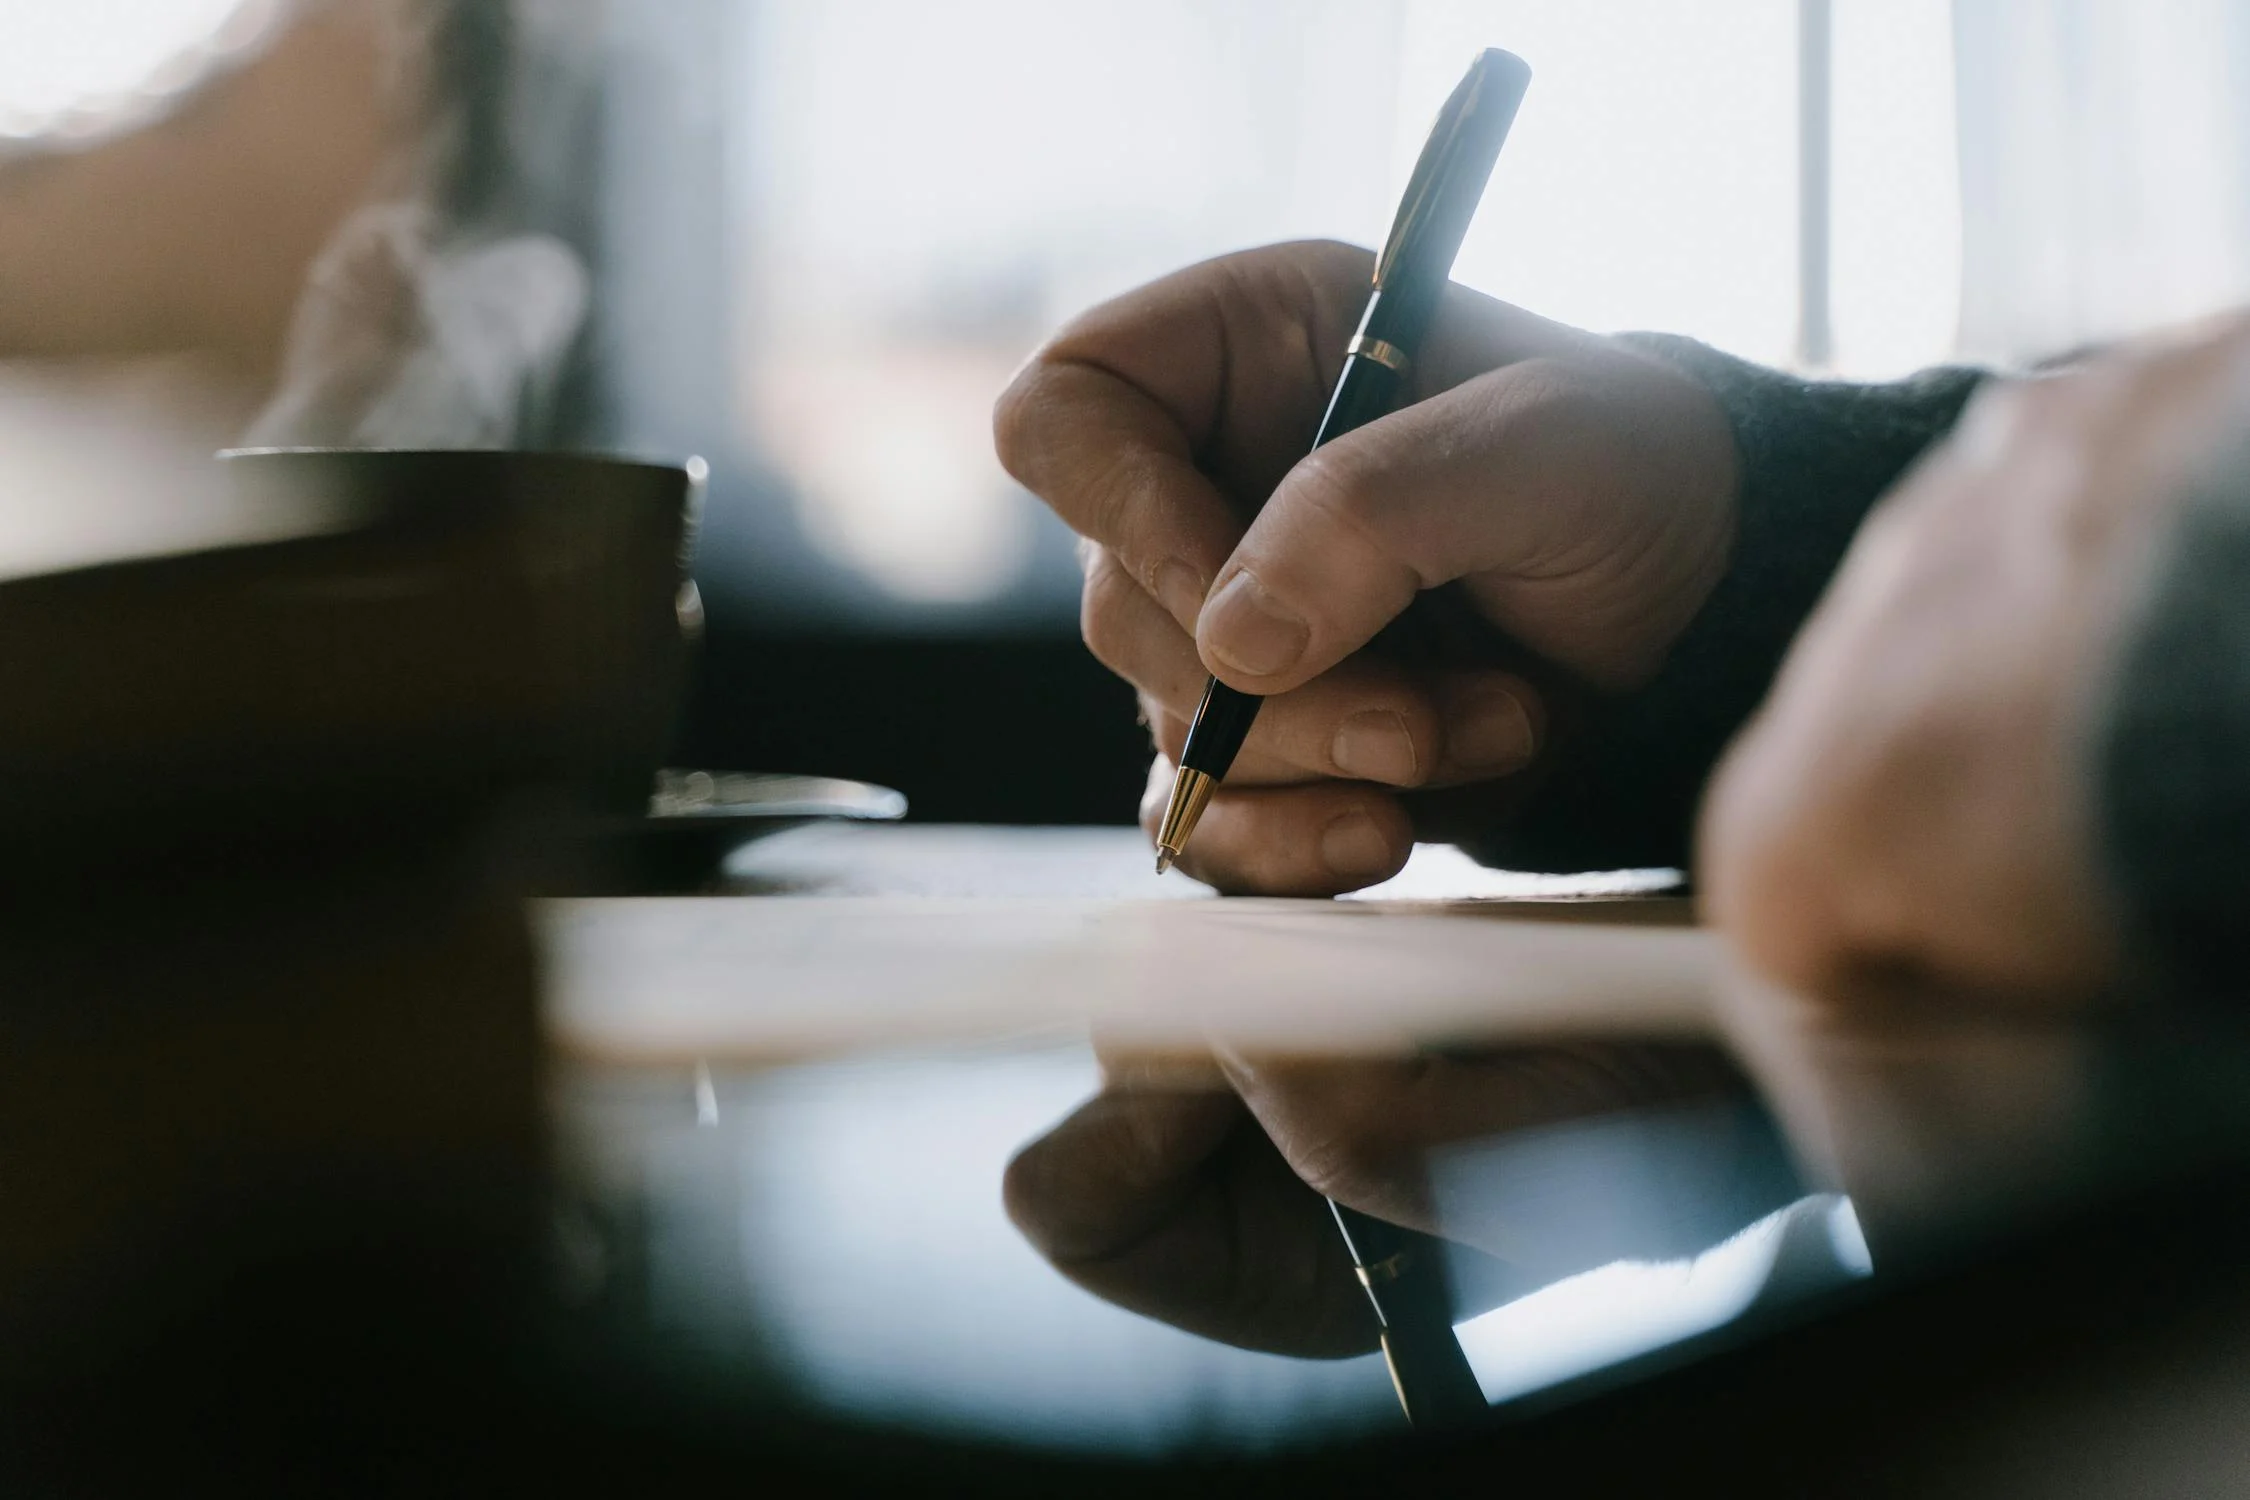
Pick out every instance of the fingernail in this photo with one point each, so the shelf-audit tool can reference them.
(1180, 591)
(1353, 846)
(1491, 731)
(1374, 746)
(1252, 634)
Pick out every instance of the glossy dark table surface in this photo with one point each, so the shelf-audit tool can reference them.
(310, 1188)
(826, 1230)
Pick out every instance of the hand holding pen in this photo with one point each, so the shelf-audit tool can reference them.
(1410, 272)
(1578, 492)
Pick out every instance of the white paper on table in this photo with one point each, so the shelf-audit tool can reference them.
(665, 978)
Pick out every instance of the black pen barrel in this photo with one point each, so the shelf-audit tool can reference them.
(1365, 390)
(1222, 723)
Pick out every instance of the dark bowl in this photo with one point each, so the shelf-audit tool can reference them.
(460, 622)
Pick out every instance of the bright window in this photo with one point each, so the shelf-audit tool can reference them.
(78, 65)
(922, 190)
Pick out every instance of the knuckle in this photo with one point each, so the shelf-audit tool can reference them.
(2053, 403)
(1341, 251)
(2007, 419)
(1775, 925)
(1565, 393)
(1329, 260)
(2002, 406)
(1115, 502)
(1340, 479)
(1345, 1163)
(1334, 263)
(1291, 264)
(1104, 621)
(1103, 504)
(1342, 501)
(1018, 418)
(1047, 435)
(1788, 901)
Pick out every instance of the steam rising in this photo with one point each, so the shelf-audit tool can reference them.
(405, 340)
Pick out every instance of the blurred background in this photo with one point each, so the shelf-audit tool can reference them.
(809, 240)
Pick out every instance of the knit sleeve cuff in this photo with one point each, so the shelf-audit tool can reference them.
(1813, 456)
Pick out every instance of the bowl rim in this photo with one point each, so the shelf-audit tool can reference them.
(693, 466)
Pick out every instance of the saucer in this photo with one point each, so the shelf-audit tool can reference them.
(696, 818)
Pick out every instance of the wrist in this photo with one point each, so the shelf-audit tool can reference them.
(1810, 460)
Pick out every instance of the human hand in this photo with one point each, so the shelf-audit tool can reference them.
(1190, 1191)
(1910, 813)
(1580, 493)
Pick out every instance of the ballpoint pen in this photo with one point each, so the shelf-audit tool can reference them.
(1441, 197)
(1399, 1268)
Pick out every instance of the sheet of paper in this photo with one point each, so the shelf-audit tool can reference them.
(936, 859)
(659, 979)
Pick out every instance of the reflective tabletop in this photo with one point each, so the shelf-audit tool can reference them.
(828, 1214)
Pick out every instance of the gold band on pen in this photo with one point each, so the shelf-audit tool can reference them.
(1385, 353)
(1389, 1268)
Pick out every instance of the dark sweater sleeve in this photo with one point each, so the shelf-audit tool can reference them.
(1814, 457)
(2171, 752)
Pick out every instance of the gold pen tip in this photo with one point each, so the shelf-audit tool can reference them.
(1191, 791)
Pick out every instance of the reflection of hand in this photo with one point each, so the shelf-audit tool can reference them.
(1910, 812)
(1941, 1121)
(1581, 493)
(1194, 1196)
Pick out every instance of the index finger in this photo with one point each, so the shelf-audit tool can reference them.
(1118, 468)
(1155, 423)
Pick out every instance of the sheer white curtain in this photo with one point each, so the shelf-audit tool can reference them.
(920, 191)
(2105, 185)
